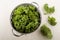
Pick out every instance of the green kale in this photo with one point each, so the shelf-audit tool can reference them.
(52, 21)
(48, 9)
(46, 31)
(25, 18)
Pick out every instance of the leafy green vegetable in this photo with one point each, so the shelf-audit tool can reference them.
(52, 21)
(46, 31)
(25, 18)
(48, 9)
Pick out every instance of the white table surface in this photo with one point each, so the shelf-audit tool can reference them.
(6, 6)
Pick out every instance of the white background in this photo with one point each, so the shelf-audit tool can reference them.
(6, 7)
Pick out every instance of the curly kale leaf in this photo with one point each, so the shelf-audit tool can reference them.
(48, 9)
(46, 31)
(52, 21)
